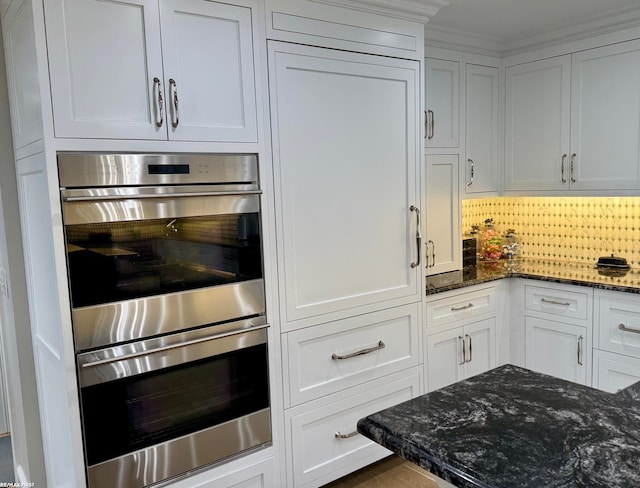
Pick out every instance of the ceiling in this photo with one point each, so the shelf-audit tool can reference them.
(509, 22)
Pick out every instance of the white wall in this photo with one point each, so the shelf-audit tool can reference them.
(14, 314)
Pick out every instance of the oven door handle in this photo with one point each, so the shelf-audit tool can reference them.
(100, 362)
(93, 198)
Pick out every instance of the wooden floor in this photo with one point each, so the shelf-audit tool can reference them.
(391, 472)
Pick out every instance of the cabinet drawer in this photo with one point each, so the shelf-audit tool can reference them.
(318, 453)
(330, 357)
(618, 325)
(613, 372)
(561, 302)
(465, 305)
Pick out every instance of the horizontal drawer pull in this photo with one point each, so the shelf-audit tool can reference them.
(457, 309)
(380, 345)
(554, 302)
(338, 435)
(624, 328)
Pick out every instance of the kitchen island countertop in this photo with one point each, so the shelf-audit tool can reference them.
(511, 427)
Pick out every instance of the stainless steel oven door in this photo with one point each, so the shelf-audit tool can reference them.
(154, 260)
(156, 409)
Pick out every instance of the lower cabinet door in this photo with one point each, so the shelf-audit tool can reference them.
(322, 439)
(445, 360)
(557, 349)
(614, 372)
(480, 340)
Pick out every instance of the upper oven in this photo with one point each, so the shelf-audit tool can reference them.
(157, 243)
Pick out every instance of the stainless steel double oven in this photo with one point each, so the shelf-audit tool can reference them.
(164, 258)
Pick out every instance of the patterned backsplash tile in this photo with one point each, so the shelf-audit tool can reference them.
(579, 229)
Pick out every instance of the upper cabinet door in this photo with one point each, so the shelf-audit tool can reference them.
(208, 64)
(537, 125)
(103, 58)
(481, 129)
(442, 85)
(605, 117)
(346, 150)
(442, 214)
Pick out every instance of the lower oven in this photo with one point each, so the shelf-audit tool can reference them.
(158, 408)
(164, 257)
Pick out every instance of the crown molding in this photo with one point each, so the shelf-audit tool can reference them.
(585, 28)
(437, 36)
(619, 20)
(412, 10)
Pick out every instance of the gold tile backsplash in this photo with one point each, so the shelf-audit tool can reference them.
(579, 229)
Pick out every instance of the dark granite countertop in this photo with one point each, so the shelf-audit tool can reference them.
(554, 271)
(511, 427)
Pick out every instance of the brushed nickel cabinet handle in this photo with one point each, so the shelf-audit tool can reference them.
(554, 302)
(431, 124)
(466, 307)
(339, 435)
(157, 86)
(381, 345)
(426, 124)
(415, 209)
(464, 353)
(573, 158)
(580, 339)
(624, 328)
(562, 178)
(470, 161)
(433, 254)
(174, 96)
(470, 348)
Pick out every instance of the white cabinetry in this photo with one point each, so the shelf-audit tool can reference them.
(481, 128)
(617, 354)
(461, 335)
(537, 125)
(557, 321)
(181, 70)
(442, 118)
(245, 473)
(346, 154)
(572, 121)
(442, 214)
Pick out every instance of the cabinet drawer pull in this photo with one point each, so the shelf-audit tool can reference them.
(431, 124)
(571, 174)
(467, 336)
(464, 353)
(580, 339)
(466, 307)
(554, 302)
(562, 178)
(338, 435)
(380, 345)
(624, 328)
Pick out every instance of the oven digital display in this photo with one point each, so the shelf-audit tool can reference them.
(168, 169)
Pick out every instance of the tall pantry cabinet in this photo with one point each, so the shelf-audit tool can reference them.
(347, 153)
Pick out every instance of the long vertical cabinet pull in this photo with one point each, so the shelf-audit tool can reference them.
(157, 86)
(415, 209)
(470, 161)
(464, 352)
(580, 361)
(573, 159)
(430, 124)
(470, 354)
(562, 178)
(174, 97)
